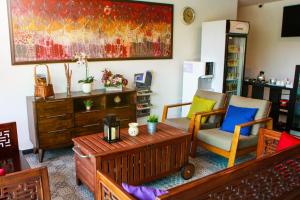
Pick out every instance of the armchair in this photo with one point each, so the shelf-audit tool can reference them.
(187, 124)
(227, 144)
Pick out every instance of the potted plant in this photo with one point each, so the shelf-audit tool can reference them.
(152, 123)
(81, 59)
(113, 82)
(88, 104)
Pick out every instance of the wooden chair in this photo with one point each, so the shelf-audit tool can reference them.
(227, 144)
(9, 148)
(187, 124)
(26, 184)
(8, 138)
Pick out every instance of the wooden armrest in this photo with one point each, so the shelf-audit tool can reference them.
(178, 105)
(237, 131)
(210, 113)
(113, 187)
(258, 121)
(166, 108)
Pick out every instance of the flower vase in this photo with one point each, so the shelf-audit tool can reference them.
(87, 87)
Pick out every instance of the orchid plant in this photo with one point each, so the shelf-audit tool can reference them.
(111, 80)
(81, 60)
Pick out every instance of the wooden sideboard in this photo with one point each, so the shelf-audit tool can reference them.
(53, 122)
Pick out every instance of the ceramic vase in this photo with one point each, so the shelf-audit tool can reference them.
(87, 87)
(151, 127)
(133, 129)
(88, 108)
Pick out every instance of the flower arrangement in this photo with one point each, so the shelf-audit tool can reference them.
(111, 80)
(81, 59)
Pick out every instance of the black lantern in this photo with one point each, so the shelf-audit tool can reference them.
(111, 129)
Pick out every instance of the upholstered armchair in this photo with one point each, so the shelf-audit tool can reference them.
(187, 124)
(228, 144)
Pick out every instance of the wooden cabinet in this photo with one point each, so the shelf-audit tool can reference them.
(53, 122)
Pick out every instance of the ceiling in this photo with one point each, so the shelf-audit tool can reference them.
(253, 2)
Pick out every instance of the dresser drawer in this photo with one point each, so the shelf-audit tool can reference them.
(54, 123)
(54, 108)
(56, 138)
(88, 129)
(88, 118)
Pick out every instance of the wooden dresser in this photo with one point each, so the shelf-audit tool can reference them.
(55, 121)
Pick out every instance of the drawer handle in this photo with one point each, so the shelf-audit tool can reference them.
(54, 101)
(121, 120)
(55, 116)
(78, 152)
(119, 107)
(90, 125)
(58, 131)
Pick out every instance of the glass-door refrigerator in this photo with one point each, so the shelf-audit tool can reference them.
(234, 64)
(224, 44)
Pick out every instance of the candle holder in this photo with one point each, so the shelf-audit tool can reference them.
(111, 129)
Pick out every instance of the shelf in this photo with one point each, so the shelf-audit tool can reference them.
(88, 111)
(143, 94)
(231, 91)
(144, 108)
(235, 79)
(119, 107)
(143, 114)
(232, 66)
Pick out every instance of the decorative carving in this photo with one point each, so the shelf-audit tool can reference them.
(5, 139)
(268, 183)
(107, 194)
(270, 145)
(28, 190)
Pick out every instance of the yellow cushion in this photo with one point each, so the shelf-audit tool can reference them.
(201, 105)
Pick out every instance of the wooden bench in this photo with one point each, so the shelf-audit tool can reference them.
(270, 176)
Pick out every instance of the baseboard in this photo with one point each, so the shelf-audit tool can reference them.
(27, 151)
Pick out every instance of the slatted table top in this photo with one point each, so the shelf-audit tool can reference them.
(94, 145)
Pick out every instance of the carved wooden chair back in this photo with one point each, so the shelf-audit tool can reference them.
(8, 138)
(25, 185)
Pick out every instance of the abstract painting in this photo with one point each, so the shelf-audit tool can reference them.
(44, 31)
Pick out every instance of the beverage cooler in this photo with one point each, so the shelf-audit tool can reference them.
(234, 64)
(224, 43)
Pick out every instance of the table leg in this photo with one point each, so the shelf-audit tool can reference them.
(78, 181)
(41, 155)
(35, 150)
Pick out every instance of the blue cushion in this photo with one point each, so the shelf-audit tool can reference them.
(236, 116)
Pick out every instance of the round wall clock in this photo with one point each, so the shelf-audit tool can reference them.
(188, 15)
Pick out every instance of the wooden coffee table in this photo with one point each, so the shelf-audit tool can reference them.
(134, 160)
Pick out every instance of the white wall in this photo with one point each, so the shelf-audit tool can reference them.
(16, 82)
(266, 49)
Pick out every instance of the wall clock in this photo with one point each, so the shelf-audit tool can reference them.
(188, 15)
